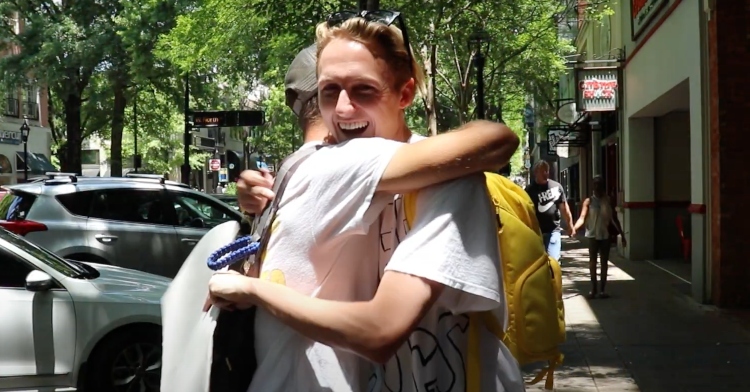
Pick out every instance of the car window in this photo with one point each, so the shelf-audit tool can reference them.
(37, 252)
(16, 206)
(77, 203)
(191, 207)
(130, 205)
(14, 271)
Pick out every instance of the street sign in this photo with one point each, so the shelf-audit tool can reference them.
(231, 118)
(214, 164)
(559, 136)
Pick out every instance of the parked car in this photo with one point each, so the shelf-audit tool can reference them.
(77, 325)
(230, 200)
(141, 221)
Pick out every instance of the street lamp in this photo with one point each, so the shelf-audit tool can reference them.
(479, 43)
(25, 137)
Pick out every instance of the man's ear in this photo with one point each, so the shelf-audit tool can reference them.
(408, 92)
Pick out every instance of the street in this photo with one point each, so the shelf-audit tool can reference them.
(650, 336)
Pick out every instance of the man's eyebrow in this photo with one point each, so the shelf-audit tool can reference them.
(323, 79)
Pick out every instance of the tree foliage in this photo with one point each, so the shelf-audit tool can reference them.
(96, 58)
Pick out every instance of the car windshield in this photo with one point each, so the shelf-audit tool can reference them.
(231, 201)
(42, 254)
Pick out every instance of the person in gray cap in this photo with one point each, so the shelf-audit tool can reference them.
(325, 246)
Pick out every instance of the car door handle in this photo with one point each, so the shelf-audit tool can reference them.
(190, 241)
(105, 239)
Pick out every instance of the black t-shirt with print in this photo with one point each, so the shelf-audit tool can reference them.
(547, 199)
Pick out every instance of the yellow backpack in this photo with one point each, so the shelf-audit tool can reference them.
(533, 284)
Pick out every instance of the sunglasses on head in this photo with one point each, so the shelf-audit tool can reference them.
(383, 17)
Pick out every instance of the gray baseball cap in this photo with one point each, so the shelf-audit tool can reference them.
(301, 79)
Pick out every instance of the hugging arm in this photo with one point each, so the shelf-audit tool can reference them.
(373, 329)
(475, 147)
(451, 255)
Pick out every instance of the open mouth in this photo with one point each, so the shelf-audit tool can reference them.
(354, 128)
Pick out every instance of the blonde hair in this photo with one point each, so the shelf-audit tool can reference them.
(385, 42)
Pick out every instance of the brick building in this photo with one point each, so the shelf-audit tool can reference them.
(672, 135)
(28, 101)
(728, 41)
(685, 113)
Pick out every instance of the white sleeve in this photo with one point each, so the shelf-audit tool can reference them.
(344, 178)
(453, 241)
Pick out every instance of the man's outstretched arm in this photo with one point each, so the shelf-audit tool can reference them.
(475, 147)
(373, 329)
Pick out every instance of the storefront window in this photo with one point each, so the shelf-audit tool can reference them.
(6, 167)
(90, 157)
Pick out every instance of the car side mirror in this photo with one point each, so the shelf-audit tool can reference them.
(38, 281)
(198, 223)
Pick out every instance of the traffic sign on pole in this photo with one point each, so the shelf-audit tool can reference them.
(230, 118)
(214, 164)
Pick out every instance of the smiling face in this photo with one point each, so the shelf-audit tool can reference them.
(356, 93)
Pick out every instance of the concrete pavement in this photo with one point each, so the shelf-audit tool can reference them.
(649, 336)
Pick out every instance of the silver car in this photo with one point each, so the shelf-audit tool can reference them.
(139, 221)
(69, 324)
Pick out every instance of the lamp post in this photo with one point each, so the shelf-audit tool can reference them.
(25, 138)
(479, 41)
(188, 136)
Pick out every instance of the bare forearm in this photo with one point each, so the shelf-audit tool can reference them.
(478, 146)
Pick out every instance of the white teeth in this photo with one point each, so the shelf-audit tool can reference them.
(354, 125)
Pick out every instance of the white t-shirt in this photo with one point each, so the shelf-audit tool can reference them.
(454, 242)
(322, 246)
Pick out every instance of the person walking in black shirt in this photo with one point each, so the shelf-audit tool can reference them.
(550, 205)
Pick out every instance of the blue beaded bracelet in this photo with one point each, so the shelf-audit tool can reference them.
(238, 250)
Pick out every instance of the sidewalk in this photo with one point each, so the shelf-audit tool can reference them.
(649, 336)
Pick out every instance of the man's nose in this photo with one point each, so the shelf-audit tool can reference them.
(344, 105)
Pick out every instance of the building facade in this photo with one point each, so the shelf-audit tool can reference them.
(667, 148)
(664, 148)
(30, 102)
(728, 56)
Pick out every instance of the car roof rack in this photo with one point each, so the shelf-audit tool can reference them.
(161, 178)
(56, 175)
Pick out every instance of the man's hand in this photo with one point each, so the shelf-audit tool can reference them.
(230, 290)
(571, 232)
(254, 190)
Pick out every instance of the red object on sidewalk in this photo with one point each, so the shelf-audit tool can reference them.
(687, 244)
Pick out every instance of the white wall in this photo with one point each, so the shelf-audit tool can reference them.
(669, 63)
(670, 56)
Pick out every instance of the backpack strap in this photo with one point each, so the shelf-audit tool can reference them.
(261, 226)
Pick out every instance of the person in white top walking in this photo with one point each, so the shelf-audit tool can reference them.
(597, 215)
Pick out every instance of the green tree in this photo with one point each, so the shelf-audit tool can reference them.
(60, 46)
(261, 38)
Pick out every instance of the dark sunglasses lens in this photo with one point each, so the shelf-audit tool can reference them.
(337, 18)
(384, 17)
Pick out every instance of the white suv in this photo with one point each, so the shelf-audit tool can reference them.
(139, 221)
(71, 324)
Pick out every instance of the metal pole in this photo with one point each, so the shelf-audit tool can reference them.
(188, 138)
(25, 161)
(135, 131)
(479, 61)
(216, 156)
(25, 136)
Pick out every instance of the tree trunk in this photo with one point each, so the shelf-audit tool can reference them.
(430, 100)
(118, 123)
(51, 117)
(370, 5)
(74, 133)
